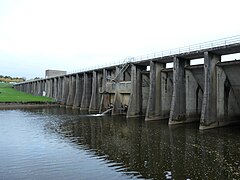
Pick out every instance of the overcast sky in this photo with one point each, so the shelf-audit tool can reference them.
(36, 35)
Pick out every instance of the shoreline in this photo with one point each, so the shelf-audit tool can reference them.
(9, 105)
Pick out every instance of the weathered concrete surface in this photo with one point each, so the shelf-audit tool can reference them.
(79, 91)
(55, 88)
(39, 88)
(44, 87)
(209, 106)
(96, 97)
(72, 90)
(54, 73)
(178, 105)
(145, 91)
(65, 90)
(155, 101)
(87, 91)
(134, 108)
(49, 88)
(194, 92)
(60, 89)
(209, 94)
(166, 91)
(121, 98)
(228, 92)
(107, 97)
(136, 98)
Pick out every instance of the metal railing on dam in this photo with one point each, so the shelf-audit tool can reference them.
(209, 94)
(171, 52)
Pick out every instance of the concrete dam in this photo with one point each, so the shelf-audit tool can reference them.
(208, 93)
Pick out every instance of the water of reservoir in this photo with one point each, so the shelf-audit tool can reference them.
(59, 143)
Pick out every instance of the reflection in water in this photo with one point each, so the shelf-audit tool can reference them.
(138, 149)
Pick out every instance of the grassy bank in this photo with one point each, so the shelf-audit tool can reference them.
(11, 95)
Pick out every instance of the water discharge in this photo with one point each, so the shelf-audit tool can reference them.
(59, 143)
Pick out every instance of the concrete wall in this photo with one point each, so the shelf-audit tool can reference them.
(87, 91)
(208, 93)
(78, 91)
(54, 73)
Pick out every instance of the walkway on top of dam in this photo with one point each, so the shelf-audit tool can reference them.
(224, 46)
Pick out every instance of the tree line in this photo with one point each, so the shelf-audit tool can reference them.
(11, 79)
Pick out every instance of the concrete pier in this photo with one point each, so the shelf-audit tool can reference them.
(209, 106)
(137, 97)
(155, 100)
(87, 91)
(65, 90)
(79, 91)
(60, 89)
(95, 101)
(71, 92)
(208, 93)
(178, 105)
(107, 90)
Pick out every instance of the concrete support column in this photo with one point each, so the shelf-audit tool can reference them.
(87, 91)
(154, 108)
(178, 105)
(105, 98)
(65, 90)
(95, 98)
(209, 106)
(55, 88)
(79, 91)
(49, 88)
(25, 88)
(117, 96)
(31, 88)
(135, 102)
(223, 92)
(34, 90)
(28, 90)
(44, 88)
(60, 88)
(72, 90)
(40, 92)
(38, 88)
(117, 102)
(52, 87)
(145, 86)
(19, 87)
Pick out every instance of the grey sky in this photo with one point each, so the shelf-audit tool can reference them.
(36, 35)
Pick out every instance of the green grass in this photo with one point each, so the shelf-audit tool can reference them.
(10, 95)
